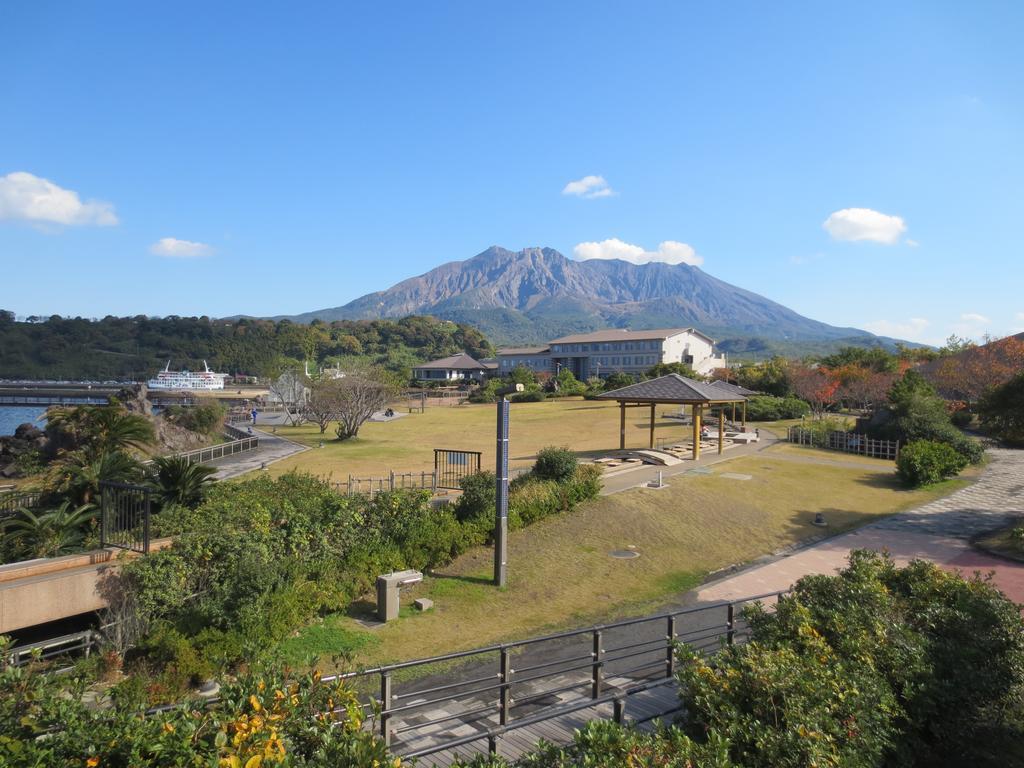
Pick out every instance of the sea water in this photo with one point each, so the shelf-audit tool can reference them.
(13, 415)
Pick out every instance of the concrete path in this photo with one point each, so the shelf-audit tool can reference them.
(939, 531)
(272, 448)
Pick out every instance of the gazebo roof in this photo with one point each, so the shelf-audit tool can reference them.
(673, 388)
(733, 388)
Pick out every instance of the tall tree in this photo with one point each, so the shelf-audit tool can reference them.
(360, 394)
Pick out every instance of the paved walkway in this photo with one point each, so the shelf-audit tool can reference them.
(939, 531)
(272, 448)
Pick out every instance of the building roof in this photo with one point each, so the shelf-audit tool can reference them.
(459, 362)
(672, 388)
(523, 351)
(490, 363)
(624, 334)
(733, 388)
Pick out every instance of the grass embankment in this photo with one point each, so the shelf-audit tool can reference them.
(561, 573)
(1006, 542)
(406, 444)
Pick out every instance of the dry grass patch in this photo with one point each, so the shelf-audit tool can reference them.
(561, 573)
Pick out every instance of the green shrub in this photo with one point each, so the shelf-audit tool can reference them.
(1001, 411)
(769, 408)
(206, 418)
(924, 462)
(961, 418)
(262, 717)
(555, 463)
(530, 396)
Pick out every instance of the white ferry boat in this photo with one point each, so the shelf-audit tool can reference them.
(205, 379)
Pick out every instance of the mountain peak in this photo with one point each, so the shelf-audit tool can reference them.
(537, 293)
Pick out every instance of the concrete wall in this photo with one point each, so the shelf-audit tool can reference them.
(38, 591)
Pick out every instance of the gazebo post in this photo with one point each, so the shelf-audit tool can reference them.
(734, 412)
(651, 446)
(744, 415)
(622, 425)
(721, 429)
(696, 431)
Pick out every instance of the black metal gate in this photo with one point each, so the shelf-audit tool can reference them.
(451, 466)
(124, 516)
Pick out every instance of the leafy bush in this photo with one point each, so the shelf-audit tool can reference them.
(961, 418)
(207, 417)
(769, 408)
(916, 412)
(924, 462)
(530, 396)
(1001, 411)
(555, 463)
(262, 717)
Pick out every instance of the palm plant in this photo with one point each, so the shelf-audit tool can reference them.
(176, 481)
(100, 429)
(78, 474)
(47, 534)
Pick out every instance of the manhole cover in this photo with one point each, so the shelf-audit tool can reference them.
(624, 554)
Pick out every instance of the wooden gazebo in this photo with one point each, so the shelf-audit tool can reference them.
(674, 389)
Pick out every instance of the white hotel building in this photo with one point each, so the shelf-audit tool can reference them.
(604, 352)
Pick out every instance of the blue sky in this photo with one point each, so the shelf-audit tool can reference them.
(862, 164)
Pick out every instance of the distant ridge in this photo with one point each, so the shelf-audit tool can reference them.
(536, 294)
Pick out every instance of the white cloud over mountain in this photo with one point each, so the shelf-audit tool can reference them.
(669, 252)
(588, 187)
(26, 197)
(912, 329)
(172, 247)
(856, 224)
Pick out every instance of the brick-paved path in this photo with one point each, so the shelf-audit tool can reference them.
(939, 531)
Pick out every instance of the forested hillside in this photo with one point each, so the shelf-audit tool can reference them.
(136, 347)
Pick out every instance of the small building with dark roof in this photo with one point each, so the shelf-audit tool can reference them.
(454, 368)
(674, 389)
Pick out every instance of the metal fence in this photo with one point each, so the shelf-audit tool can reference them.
(511, 686)
(394, 481)
(451, 466)
(230, 448)
(124, 516)
(847, 442)
(10, 503)
(78, 642)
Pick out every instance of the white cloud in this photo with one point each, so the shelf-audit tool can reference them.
(179, 249)
(974, 318)
(865, 224)
(911, 330)
(911, 242)
(25, 197)
(588, 187)
(1020, 316)
(669, 252)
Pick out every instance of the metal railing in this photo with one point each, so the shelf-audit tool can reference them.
(219, 451)
(78, 642)
(394, 481)
(125, 512)
(11, 502)
(607, 663)
(847, 442)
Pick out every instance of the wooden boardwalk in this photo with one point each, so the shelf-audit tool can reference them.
(642, 709)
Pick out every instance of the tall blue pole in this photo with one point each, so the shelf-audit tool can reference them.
(501, 496)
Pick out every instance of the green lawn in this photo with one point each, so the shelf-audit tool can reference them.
(406, 444)
(562, 575)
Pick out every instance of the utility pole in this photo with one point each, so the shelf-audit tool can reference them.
(501, 497)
